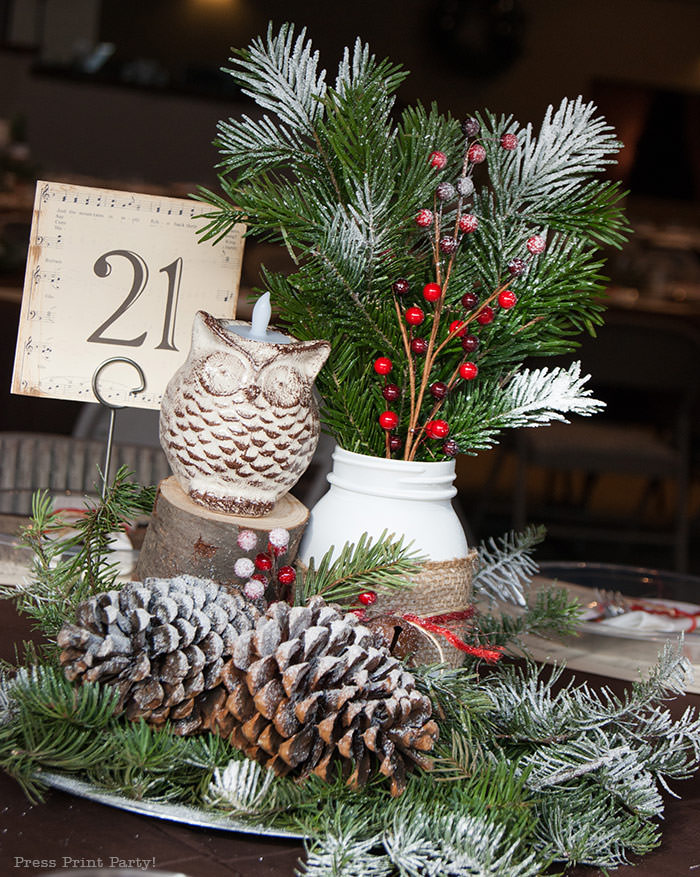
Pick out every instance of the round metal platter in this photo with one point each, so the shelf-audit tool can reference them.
(191, 816)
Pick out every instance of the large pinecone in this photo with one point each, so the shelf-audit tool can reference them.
(161, 643)
(309, 687)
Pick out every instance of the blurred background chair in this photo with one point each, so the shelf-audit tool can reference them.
(638, 452)
(66, 466)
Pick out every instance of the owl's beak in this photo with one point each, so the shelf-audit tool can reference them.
(251, 393)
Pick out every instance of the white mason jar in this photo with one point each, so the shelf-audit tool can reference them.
(410, 499)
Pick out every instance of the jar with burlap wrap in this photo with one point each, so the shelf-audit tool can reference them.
(410, 499)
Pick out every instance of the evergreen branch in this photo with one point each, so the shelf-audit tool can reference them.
(330, 174)
(587, 794)
(572, 144)
(241, 788)
(551, 614)
(505, 566)
(532, 397)
(67, 570)
(604, 838)
(280, 74)
(386, 564)
(541, 395)
(52, 725)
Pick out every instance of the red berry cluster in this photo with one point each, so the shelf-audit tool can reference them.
(264, 574)
(423, 340)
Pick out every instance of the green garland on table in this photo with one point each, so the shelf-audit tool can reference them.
(528, 775)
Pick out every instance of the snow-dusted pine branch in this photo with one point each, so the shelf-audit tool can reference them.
(242, 787)
(539, 396)
(532, 397)
(572, 143)
(505, 565)
(281, 74)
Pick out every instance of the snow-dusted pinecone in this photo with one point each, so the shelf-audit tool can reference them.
(310, 687)
(162, 643)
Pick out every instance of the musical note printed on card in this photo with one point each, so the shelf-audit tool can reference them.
(114, 274)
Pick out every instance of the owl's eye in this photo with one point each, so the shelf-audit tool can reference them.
(221, 374)
(282, 386)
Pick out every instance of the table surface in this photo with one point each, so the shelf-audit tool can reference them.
(69, 831)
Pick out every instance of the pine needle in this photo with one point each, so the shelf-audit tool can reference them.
(385, 564)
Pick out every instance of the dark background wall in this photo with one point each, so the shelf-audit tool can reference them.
(151, 110)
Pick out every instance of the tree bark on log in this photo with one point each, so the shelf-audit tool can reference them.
(186, 538)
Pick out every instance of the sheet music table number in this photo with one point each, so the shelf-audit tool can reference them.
(116, 276)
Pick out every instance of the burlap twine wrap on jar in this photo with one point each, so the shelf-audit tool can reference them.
(442, 587)
(412, 500)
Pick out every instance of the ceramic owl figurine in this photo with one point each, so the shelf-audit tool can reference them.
(238, 420)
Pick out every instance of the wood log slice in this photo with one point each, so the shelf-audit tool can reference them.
(186, 538)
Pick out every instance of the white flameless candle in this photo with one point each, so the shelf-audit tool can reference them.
(258, 329)
(261, 317)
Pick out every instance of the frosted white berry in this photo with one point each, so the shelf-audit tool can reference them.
(254, 589)
(244, 567)
(465, 186)
(279, 537)
(247, 540)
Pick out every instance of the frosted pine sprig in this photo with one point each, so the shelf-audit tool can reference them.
(330, 172)
(281, 74)
(532, 397)
(542, 395)
(505, 566)
(572, 143)
(464, 845)
(241, 787)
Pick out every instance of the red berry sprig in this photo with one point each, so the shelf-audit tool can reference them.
(468, 371)
(263, 562)
(469, 343)
(485, 315)
(414, 316)
(445, 246)
(437, 429)
(507, 299)
(439, 390)
(450, 448)
(476, 153)
(286, 575)
(388, 420)
(536, 244)
(432, 292)
(383, 365)
(516, 266)
(468, 223)
(391, 392)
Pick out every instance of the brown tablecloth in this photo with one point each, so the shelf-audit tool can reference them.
(68, 831)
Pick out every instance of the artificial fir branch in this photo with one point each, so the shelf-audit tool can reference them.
(506, 566)
(329, 173)
(67, 570)
(568, 774)
(386, 563)
(550, 613)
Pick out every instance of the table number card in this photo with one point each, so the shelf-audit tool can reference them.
(116, 274)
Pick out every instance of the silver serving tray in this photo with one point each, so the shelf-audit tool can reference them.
(181, 813)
